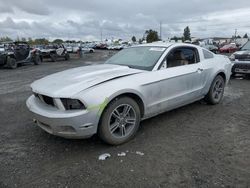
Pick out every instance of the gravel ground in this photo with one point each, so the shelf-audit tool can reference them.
(194, 146)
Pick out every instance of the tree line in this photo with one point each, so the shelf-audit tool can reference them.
(38, 41)
(149, 35)
(152, 36)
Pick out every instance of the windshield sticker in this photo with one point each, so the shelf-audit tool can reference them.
(157, 49)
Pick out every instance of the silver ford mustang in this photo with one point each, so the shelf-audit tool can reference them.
(135, 84)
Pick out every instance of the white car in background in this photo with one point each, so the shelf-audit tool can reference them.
(69, 49)
(87, 49)
(2, 48)
(135, 84)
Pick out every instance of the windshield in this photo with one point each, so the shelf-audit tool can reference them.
(246, 46)
(143, 57)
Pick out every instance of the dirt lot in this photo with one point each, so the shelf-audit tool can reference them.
(195, 146)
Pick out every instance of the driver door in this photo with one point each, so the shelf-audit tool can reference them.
(177, 82)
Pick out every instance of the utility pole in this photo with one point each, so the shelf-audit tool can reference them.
(101, 33)
(160, 31)
(235, 35)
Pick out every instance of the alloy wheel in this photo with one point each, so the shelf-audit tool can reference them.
(122, 120)
(218, 90)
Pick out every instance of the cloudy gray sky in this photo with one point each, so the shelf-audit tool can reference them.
(83, 19)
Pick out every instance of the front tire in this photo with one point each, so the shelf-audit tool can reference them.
(120, 121)
(216, 91)
(11, 63)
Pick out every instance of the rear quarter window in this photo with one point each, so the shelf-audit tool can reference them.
(207, 54)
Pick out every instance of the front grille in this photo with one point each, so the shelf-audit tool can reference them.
(242, 65)
(46, 99)
(243, 57)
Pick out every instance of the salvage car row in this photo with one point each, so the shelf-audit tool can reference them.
(12, 54)
(18, 53)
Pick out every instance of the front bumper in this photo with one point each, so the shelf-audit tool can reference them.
(67, 124)
(241, 67)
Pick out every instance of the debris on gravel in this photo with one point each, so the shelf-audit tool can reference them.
(104, 156)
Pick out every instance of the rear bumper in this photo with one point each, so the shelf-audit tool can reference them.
(75, 124)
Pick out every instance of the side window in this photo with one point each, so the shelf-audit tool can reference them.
(207, 54)
(182, 56)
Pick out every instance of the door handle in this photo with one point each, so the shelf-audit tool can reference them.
(200, 70)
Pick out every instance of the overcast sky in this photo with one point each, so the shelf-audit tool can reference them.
(83, 19)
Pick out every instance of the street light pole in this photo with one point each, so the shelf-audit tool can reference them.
(235, 35)
(160, 31)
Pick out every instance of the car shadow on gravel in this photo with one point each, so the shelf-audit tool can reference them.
(148, 126)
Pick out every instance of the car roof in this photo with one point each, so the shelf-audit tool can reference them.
(159, 44)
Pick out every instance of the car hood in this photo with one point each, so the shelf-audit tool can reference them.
(245, 52)
(70, 82)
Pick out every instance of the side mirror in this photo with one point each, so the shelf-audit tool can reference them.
(164, 65)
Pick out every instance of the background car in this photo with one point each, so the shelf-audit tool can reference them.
(69, 48)
(13, 54)
(2, 48)
(228, 48)
(55, 51)
(76, 48)
(241, 61)
(212, 48)
(101, 46)
(87, 49)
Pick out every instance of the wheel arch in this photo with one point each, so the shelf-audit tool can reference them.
(136, 98)
(211, 79)
(222, 74)
(134, 95)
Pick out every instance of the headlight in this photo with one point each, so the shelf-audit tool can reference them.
(232, 57)
(72, 104)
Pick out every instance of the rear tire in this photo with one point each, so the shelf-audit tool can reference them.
(37, 60)
(67, 57)
(247, 76)
(53, 57)
(120, 121)
(11, 63)
(216, 91)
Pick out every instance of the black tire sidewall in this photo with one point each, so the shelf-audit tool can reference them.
(67, 57)
(37, 60)
(103, 129)
(53, 57)
(209, 98)
(10, 61)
